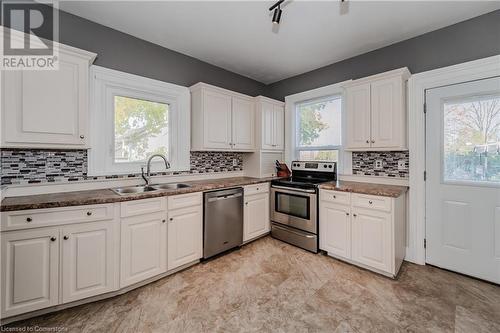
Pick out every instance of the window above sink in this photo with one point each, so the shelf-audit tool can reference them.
(133, 117)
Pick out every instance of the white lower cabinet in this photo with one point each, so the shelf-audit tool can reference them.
(184, 236)
(143, 247)
(256, 220)
(30, 270)
(335, 229)
(365, 230)
(372, 238)
(89, 259)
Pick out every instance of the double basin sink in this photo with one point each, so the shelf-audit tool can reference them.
(148, 188)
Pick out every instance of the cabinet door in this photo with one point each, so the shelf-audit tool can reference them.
(89, 259)
(143, 247)
(279, 127)
(243, 124)
(217, 120)
(185, 239)
(47, 108)
(256, 216)
(358, 116)
(267, 114)
(335, 229)
(371, 239)
(388, 115)
(30, 268)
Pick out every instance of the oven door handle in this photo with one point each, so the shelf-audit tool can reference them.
(293, 189)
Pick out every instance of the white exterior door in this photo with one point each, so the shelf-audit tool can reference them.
(335, 226)
(387, 112)
(89, 259)
(256, 216)
(279, 127)
(143, 247)
(372, 238)
(185, 236)
(243, 124)
(30, 270)
(217, 124)
(463, 178)
(358, 116)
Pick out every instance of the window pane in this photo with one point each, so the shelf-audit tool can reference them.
(319, 123)
(141, 129)
(319, 155)
(471, 139)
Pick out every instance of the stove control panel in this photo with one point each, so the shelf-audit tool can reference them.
(314, 166)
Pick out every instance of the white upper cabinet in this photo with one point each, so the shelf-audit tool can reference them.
(270, 123)
(221, 119)
(376, 112)
(243, 124)
(48, 109)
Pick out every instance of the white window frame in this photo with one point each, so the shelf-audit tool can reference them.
(344, 165)
(105, 85)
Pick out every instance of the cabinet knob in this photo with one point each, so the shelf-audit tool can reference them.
(29, 219)
(163, 221)
(335, 197)
(354, 215)
(171, 219)
(246, 203)
(346, 213)
(373, 141)
(66, 237)
(89, 213)
(370, 202)
(82, 136)
(53, 239)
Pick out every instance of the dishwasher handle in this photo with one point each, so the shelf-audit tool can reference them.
(224, 197)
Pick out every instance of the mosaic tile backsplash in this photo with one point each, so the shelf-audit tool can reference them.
(364, 163)
(21, 166)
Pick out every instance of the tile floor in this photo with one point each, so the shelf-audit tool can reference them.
(269, 286)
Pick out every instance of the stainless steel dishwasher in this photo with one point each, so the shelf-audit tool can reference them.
(223, 221)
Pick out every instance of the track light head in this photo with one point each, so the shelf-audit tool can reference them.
(277, 15)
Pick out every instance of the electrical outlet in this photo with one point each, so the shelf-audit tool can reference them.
(401, 164)
(377, 164)
(235, 162)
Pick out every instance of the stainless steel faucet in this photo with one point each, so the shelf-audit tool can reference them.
(148, 170)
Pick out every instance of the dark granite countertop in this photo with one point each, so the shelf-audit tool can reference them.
(92, 197)
(392, 191)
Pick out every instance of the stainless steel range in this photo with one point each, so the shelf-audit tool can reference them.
(294, 203)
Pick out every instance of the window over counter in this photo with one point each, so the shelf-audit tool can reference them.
(319, 129)
(133, 117)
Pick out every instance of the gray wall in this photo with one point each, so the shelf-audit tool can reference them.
(468, 40)
(123, 52)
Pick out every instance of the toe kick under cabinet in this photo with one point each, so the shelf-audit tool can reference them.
(366, 230)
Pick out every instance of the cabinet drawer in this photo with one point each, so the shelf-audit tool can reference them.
(35, 218)
(257, 188)
(372, 202)
(335, 197)
(184, 200)
(144, 206)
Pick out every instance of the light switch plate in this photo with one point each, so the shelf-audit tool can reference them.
(377, 164)
(401, 164)
(235, 162)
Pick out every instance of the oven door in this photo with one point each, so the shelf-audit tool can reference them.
(294, 207)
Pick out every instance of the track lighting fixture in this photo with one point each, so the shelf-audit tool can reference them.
(277, 11)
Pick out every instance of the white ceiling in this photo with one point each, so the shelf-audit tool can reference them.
(239, 35)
